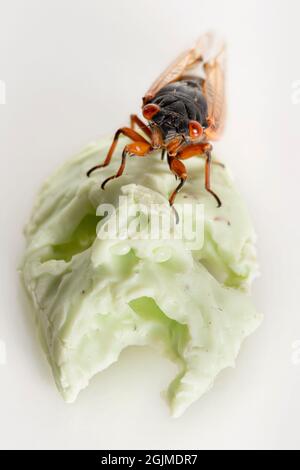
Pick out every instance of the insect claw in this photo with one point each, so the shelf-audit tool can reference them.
(176, 215)
(214, 162)
(97, 167)
(106, 181)
(219, 202)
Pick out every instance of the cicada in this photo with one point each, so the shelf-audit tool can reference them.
(185, 112)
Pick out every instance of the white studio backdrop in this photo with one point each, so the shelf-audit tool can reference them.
(73, 71)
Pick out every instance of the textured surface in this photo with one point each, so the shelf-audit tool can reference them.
(92, 297)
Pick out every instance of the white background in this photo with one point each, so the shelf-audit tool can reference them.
(74, 70)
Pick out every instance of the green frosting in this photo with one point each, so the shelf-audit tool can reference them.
(93, 297)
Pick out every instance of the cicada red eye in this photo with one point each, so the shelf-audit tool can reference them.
(150, 110)
(195, 130)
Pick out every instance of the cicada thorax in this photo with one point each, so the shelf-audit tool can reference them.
(178, 107)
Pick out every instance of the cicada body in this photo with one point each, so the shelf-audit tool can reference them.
(184, 114)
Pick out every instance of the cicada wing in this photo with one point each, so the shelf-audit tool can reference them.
(214, 91)
(184, 62)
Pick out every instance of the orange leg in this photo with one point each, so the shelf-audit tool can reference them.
(202, 149)
(207, 179)
(139, 149)
(174, 146)
(215, 162)
(130, 133)
(135, 120)
(191, 150)
(179, 170)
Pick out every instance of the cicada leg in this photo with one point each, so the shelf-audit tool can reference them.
(130, 133)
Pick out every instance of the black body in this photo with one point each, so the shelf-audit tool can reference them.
(180, 102)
